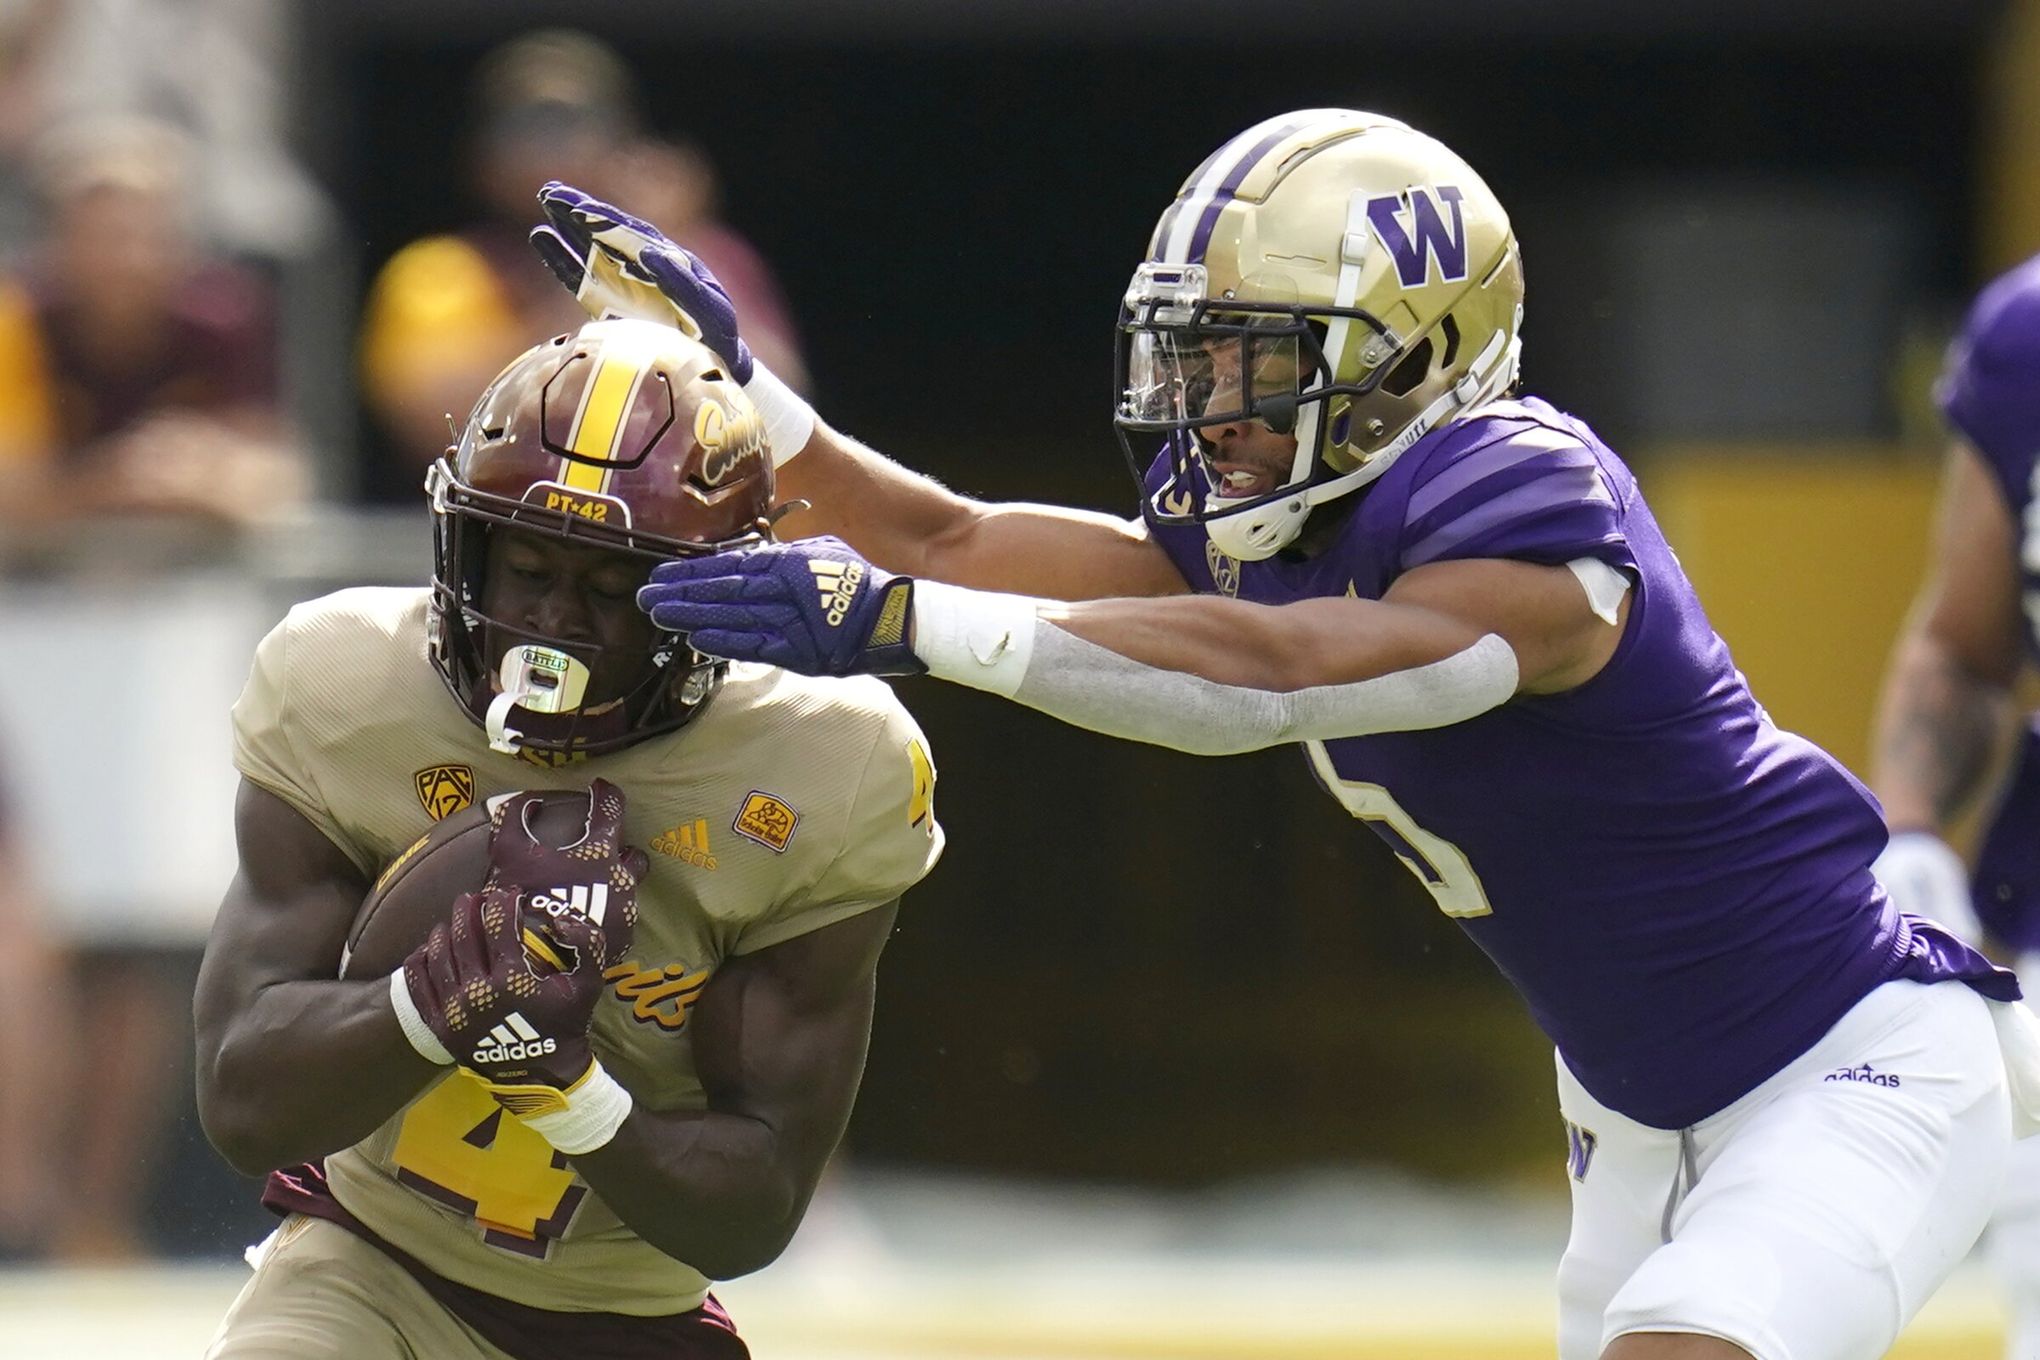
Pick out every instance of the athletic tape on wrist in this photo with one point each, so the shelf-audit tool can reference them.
(596, 1107)
(789, 420)
(974, 637)
(413, 1024)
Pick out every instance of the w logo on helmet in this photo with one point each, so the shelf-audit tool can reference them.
(1427, 236)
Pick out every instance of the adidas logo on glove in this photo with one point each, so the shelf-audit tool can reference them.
(512, 1040)
(591, 901)
(838, 582)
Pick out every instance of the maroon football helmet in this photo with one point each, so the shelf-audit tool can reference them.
(626, 435)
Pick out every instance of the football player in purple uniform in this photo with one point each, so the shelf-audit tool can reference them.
(1788, 1113)
(1949, 710)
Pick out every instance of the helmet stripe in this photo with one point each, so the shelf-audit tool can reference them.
(598, 423)
(1185, 239)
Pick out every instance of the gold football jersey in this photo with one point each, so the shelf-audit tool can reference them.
(789, 803)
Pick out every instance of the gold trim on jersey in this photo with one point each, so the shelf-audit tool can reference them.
(921, 803)
(445, 789)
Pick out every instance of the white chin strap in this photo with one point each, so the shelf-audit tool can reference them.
(1260, 530)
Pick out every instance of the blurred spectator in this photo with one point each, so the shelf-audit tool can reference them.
(448, 311)
(136, 381)
(220, 70)
(136, 375)
(674, 184)
(34, 1060)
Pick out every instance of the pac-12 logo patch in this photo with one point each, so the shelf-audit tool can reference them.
(766, 820)
(445, 790)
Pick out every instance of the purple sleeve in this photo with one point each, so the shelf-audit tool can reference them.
(1531, 493)
(1990, 388)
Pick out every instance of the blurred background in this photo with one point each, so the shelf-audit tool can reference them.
(255, 253)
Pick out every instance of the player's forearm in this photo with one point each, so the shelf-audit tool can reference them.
(912, 524)
(304, 1069)
(1939, 726)
(1276, 648)
(1216, 677)
(707, 1188)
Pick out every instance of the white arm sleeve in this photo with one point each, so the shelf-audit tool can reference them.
(999, 643)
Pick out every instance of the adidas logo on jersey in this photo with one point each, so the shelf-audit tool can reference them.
(838, 582)
(583, 899)
(512, 1041)
(686, 843)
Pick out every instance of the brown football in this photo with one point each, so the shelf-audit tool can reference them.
(416, 891)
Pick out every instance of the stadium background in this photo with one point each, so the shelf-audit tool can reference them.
(1146, 983)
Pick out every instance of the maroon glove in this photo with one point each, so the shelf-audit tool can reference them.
(522, 1029)
(595, 874)
(508, 985)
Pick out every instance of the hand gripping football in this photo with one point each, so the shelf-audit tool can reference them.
(416, 891)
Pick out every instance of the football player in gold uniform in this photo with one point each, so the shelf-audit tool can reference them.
(783, 818)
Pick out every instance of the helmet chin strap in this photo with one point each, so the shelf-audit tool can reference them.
(1254, 533)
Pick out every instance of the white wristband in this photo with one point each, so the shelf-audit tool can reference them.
(974, 637)
(413, 1024)
(597, 1105)
(789, 420)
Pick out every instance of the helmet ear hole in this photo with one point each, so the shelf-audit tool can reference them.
(1411, 370)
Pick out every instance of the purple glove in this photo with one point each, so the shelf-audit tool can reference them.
(812, 606)
(619, 265)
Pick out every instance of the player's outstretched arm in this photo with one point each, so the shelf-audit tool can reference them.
(279, 1039)
(1204, 674)
(619, 265)
(912, 524)
(779, 1042)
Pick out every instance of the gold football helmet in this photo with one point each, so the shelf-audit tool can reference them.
(1359, 275)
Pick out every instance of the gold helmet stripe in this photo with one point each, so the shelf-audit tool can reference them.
(599, 423)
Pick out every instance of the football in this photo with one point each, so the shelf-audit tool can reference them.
(416, 891)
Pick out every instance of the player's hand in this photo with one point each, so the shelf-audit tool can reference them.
(619, 265)
(1927, 878)
(813, 606)
(597, 875)
(519, 1024)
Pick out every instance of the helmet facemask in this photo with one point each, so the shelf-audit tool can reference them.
(1188, 363)
(549, 699)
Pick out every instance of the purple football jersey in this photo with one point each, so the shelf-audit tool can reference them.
(1680, 891)
(1991, 395)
